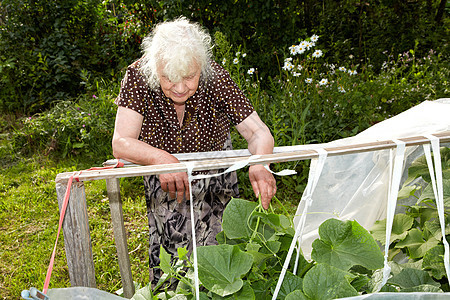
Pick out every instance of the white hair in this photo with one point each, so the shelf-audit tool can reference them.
(175, 46)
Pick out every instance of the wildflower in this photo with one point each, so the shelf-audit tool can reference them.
(314, 38)
(303, 44)
(238, 53)
(300, 67)
(288, 59)
(224, 61)
(293, 49)
(308, 80)
(324, 81)
(343, 69)
(244, 54)
(95, 97)
(352, 72)
(251, 71)
(341, 89)
(309, 45)
(351, 56)
(235, 61)
(296, 74)
(317, 53)
(301, 49)
(288, 65)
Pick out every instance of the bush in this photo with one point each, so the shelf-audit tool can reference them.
(45, 47)
(71, 128)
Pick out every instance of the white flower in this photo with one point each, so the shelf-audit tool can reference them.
(317, 53)
(324, 81)
(299, 67)
(288, 59)
(235, 61)
(296, 74)
(251, 71)
(288, 65)
(352, 72)
(301, 49)
(303, 44)
(343, 69)
(238, 53)
(244, 54)
(293, 49)
(314, 38)
(224, 61)
(351, 56)
(341, 89)
(308, 80)
(309, 45)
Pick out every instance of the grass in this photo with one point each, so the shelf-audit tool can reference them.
(29, 217)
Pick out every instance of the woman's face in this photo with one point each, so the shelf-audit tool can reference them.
(180, 91)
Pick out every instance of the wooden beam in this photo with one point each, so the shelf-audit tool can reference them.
(120, 235)
(77, 238)
(219, 163)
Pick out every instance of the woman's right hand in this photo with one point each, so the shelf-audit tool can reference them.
(176, 184)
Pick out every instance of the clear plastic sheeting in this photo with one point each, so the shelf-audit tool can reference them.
(401, 296)
(81, 293)
(356, 186)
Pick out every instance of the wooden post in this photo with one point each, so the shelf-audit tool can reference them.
(120, 235)
(77, 238)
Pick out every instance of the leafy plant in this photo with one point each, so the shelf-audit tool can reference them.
(416, 234)
(253, 245)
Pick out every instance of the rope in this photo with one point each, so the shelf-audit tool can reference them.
(313, 179)
(396, 174)
(62, 214)
(438, 191)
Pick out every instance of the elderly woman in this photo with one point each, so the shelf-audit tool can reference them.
(176, 99)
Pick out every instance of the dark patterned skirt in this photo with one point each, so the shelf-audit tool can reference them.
(170, 221)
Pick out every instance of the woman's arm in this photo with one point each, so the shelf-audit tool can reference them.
(126, 146)
(260, 141)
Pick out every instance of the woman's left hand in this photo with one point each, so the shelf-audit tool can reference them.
(263, 184)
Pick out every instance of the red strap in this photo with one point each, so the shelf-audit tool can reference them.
(62, 214)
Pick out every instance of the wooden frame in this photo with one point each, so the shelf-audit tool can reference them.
(76, 224)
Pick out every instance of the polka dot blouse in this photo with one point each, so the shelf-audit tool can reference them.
(207, 116)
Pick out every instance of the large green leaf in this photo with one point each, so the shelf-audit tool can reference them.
(409, 278)
(434, 261)
(143, 294)
(429, 194)
(235, 218)
(327, 282)
(290, 283)
(296, 295)
(346, 244)
(402, 223)
(246, 293)
(416, 244)
(221, 267)
(434, 227)
(164, 259)
(262, 288)
(424, 288)
(420, 168)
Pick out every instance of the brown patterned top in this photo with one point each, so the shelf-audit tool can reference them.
(207, 118)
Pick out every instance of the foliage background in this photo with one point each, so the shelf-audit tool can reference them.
(47, 48)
